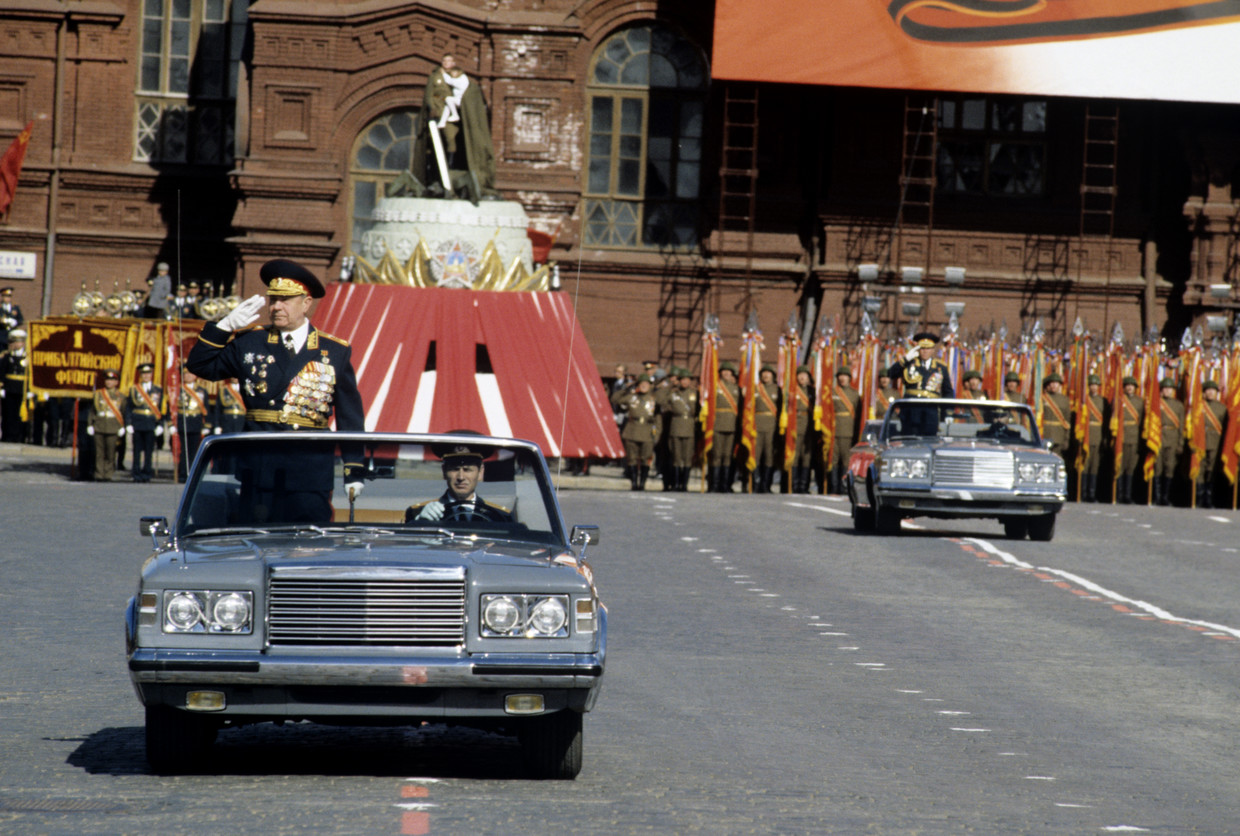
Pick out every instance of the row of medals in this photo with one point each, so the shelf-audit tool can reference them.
(310, 393)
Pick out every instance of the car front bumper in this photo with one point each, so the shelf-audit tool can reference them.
(963, 502)
(296, 686)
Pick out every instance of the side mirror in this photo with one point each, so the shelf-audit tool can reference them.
(584, 535)
(156, 527)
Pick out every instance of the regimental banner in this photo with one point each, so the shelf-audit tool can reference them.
(1177, 50)
(69, 355)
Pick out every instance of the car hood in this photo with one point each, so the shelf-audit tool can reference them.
(936, 444)
(365, 549)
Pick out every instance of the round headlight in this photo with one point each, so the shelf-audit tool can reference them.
(184, 611)
(548, 617)
(1027, 471)
(917, 469)
(501, 615)
(897, 467)
(230, 612)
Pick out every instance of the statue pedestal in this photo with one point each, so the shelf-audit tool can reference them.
(454, 234)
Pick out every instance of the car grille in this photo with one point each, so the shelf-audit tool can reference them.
(975, 468)
(422, 607)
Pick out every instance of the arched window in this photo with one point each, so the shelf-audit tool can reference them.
(646, 97)
(381, 152)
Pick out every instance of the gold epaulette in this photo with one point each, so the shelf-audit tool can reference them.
(333, 338)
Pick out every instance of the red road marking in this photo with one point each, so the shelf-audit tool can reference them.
(414, 823)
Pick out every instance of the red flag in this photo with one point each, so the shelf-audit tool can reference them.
(11, 167)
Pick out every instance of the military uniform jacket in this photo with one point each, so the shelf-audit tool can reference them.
(766, 407)
(727, 405)
(682, 405)
(639, 425)
(1172, 422)
(13, 370)
(193, 406)
(109, 414)
(1056, 417)
(1214, 416)
(10, 318)
(805, 409)
(846, 402)
(1013, 397)
(924, 379)
(1132, 416)
(283, 392)
(883, 399)
(1097, 408)
(146, 409)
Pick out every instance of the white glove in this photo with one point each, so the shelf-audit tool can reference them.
(159, 430)
(431, 511)
(90, 430)
(353, 489)
(171, 430)
(120, 433)
(911, 354)
(130, 428)
(244, 314)
(217, 431)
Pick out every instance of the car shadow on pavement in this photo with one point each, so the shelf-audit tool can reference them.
(435, 751)
(64, 469)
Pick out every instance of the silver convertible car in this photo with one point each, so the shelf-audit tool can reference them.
(956, 458)
(448, 591)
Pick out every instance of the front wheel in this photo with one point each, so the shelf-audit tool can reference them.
(1042, 528)
(176, 741)
(1015, 528)
(863, 518)
(886, 520)
(552, 745)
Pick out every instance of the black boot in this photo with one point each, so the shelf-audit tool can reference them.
(1161, 489)
(1089, 488)
(634, 478)
(727, 477)
(682, 482)
(1208, 489)
(1123, 486)
(770, 477)
(643, 474)
(759, 478)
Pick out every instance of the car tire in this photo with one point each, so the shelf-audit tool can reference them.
(1042, 528)
(863, 518)
(886, 521)
(176, 740)
(552, 745)
(1015, 528)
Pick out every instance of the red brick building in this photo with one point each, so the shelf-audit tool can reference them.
(216, 134)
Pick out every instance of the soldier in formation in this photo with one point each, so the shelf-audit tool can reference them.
(1214, 415)
(681, 406)
(847, 403)
(766, 423)
(13, 392)
(1056, 412)
(1096, 418)
(107, 424)
(805, 455)
(1171, 413)
(144, 421)
(723, 445)
(640, 429)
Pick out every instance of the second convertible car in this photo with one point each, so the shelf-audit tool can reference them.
(954, 459)
(449, 592)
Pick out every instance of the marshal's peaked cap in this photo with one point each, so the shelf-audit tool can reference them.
(288, 278)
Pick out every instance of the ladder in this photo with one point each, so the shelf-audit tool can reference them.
(915, 214)
(1098, 169)
(738, 182)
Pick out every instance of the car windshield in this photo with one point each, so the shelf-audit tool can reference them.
(1006, 423)
(262, 482)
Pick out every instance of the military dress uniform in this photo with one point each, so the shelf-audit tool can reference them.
(803, 459)
(13, 373)
(766, 424)
(847, 402)
(1130, 423)
(923, 378)
(193, 419)
(1214, 415)
(639, 432)
(286, 388)
(11, 317)
(229, 408)
(883, 398)
(723, 444)
(1095, 407)
(145, 418)
(1171, 442)
(1056, 418)
(108, 424)
(682, 407)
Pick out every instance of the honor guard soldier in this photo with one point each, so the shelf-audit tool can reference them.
(846, 401)
(803, 459)
(973, 386)
(1214, 414)
(291, 375)
(884, 394)
(766, 423)
(640, 430)
(144, 421)
(229, 408)
(193, 419)
(1172, 439)
(13, 392)
(10, 314)
(727, 407)
(924, 375)
(681, 405)
(1056, 423)
(1096, 413)
(107, 425)
(665, 383)
(1130, 422)
(1011, 388)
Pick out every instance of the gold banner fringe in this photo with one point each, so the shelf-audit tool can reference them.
(416, 272)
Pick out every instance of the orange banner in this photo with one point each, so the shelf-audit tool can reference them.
(1136, 49)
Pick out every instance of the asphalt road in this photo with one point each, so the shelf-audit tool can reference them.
(770, 671)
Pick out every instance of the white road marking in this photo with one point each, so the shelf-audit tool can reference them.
(835, 511)
(954, 728)
(1218, 519)
(1151, 609)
